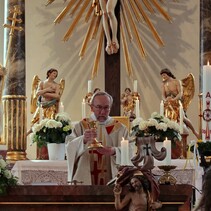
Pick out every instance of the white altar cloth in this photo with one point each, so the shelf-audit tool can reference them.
(54, 172)
(45, 172)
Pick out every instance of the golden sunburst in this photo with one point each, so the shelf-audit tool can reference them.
(133, 14)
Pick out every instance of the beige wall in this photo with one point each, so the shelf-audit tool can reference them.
(44, 49)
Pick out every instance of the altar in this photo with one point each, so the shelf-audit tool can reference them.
(49, 177)
(52, 172)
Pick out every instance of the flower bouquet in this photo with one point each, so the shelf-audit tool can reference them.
(6, 178)
(158, 126)
(52, 130)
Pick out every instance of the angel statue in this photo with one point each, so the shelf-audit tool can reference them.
(175, 92)
(45, 96)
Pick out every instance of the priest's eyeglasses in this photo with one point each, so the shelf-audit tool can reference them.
(100, 108)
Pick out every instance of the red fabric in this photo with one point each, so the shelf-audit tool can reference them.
(109, 129)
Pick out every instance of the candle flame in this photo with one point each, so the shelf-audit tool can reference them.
(83, 100)
(208, 63)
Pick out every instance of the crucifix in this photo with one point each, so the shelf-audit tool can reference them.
(112, 72)
(131, 13)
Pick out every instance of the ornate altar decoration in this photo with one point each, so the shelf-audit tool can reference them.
(161, 128)
(171, 110)
(143, 163)
(146, 133)
(132, 13)
(129, 103)
(37, 108)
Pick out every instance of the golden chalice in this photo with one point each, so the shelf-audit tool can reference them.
(95, 143)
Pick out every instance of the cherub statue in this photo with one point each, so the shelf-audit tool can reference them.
(128, 99)
(90, 94)
(45, 96)
(175, 92)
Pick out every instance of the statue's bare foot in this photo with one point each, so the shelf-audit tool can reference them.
(109, 49)
(115, 47)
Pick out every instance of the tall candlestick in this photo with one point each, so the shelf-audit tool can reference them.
(206, 101)
(161, 108)
(181, 113)
(167, 145)
(83, 109)
(89, 86)
(124, 152)
(135, 85)
(61, 107)
(137, 109)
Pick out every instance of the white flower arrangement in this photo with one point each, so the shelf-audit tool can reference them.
(6, 177)
(52, 130)
(157, 125)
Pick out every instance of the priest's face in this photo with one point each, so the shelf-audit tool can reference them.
(101, 106)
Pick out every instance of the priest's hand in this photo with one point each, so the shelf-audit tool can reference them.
(90, 135)
(107, 150)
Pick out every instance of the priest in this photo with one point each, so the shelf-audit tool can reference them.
(93, 149)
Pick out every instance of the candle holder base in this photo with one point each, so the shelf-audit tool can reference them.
(167, 178)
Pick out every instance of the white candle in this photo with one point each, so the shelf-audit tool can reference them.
(181, 112)
(161, 108)
(206, 101)
(167, 145)
(124, 152)
(137, 109)
(83, 109)
(89, 86)
(135, 85)
(61, 107)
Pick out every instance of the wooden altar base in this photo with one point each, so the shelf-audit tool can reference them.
(88, 198)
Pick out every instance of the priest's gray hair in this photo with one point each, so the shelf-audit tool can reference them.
(101, 93)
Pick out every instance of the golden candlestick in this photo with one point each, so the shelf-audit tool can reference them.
(167, 178)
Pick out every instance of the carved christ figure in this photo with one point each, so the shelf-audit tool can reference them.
(110, 23)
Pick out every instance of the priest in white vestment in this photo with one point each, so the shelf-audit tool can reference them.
(95, 166)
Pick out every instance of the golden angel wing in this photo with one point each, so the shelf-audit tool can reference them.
(188, 85)
(62, 85)
(35, 83)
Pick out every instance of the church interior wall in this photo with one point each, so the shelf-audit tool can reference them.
(45, 49)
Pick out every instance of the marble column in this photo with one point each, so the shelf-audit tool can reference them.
(14, 99)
